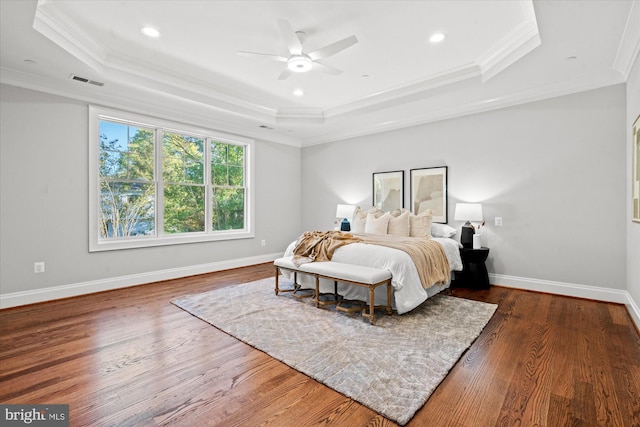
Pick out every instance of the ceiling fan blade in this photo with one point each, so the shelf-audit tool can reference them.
(263, 55)
(285, 73)
(326, 68)
(333, 48)
(290, 37)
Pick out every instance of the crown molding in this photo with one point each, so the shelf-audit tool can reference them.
(299, 116)
(134, 85)
(404, 93)
(516, 44)
(424, 116)
(151, 103)
(519, 42)
(114, 68)
(629, 47)
(58, 28)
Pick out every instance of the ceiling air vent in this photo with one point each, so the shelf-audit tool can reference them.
(85, 80)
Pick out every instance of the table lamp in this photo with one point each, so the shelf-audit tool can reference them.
(468, 212)
(345, 212)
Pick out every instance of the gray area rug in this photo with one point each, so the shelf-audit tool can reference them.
(391, 367)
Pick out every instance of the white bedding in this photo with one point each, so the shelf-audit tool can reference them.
(408, 291)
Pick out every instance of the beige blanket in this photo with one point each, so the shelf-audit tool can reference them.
(428, 255)
(320, 245)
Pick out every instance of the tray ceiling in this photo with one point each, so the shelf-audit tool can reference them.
(495, 53)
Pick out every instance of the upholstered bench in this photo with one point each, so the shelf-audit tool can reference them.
(358, 275)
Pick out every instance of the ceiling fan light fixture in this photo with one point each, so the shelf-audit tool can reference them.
(299, 63)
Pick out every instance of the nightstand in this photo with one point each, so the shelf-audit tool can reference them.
(474, 271)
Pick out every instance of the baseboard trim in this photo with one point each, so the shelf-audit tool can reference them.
(570, 289)
(15, 299)
(65, 291)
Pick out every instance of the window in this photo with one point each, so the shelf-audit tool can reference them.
(155, 183)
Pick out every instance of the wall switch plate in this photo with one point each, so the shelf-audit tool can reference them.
(498, 221)
(263, 243)
(38, 267)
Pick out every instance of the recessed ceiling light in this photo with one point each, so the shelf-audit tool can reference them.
(570, 58)
(30, 62)
(298, 92)
(150, 32)
(437, 37)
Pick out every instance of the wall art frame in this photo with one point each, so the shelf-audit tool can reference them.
(429, 191)
(635, 171)
(388, 190)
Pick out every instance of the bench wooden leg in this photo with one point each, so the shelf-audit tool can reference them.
(317, 290)
(389, 309)
(277, 275)
(372, 306)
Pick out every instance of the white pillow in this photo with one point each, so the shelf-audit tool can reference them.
(397, 212)
(359, 219)
(442, 230)
(399, 225)
(420, 225)
(377, 225)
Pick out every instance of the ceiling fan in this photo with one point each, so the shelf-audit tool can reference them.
(299, 61)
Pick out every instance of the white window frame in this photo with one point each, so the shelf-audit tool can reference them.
(160, 239)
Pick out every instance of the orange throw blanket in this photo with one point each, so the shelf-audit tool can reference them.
(320, 245)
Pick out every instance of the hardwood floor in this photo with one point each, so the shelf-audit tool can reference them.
(131, 358)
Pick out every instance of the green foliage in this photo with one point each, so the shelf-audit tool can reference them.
(228, 209)
(183, 208)
(227, 176)
(126, 208)
(182, 159)
(127, 187)
(133, 161)
(183, 174)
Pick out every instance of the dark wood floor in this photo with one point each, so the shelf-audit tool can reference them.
(130, 358)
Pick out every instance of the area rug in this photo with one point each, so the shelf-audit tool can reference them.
(391, 367)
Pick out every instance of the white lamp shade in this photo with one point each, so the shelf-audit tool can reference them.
(345, 211)
(468, 212)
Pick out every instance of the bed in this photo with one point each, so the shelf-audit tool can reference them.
(408, 292)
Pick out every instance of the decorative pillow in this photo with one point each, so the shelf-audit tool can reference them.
(399, 225)
(377, 225)
(420, 225)
(360, 218)
(442, 230)
(397, 212)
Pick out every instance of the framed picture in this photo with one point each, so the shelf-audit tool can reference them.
(635, 172)
(388, 190)
(429, 191)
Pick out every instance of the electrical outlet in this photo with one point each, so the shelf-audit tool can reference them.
(38, 267)
(498, 221)
(263, 243)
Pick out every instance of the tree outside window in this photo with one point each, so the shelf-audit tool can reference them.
(160, 184)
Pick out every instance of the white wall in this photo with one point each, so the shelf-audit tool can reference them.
(553, 170)
(44, 206)
(633, 228)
